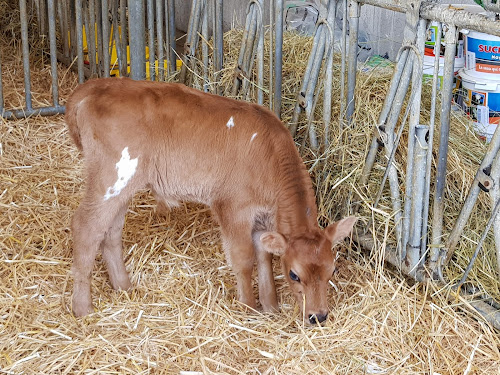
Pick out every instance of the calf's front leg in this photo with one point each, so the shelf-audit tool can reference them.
(267, 288)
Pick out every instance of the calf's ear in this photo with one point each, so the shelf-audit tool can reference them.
(272, 242)
(341, 229)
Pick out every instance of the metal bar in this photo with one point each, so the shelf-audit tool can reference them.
(167, 42)
(123, 38)
(204, 48)
(495, 197)
(389, 144)
(72, 28)
(136, 40)
(100, 43)
(53, 51)
(106, 60)
(27, 112)
(151, 37)
(115, 37)
(433, 11)
(343, 64)
(219, 42)
(354, 13)
(63, 21)
(245, 45)
(470, 201)
(494, 214)
(250, 49)
(434, 251)
(26, 53)
(278, 59)
(272, 8)
(192, 38)
(410, 197)
(301, 97)
(159, 36)
(414, 258)
(1, 87)
(327, 98)
(171, 37)
(438, 208)
(91, 38)
(79, 40)
(260, 55)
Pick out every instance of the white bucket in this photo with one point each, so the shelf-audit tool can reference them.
(482, 55)
(481, 101)
(429, 68)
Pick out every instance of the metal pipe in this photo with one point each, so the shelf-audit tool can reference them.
(433, 11)
(278, 60)
(136, 40)
(106, 59)
(171, 37)
(272, 8)
(79, 40)
(123, 38)
(151, 41)
(1, 87)
(354, 13)
(53, 50)
(63, 21)
(26, 54)
(414, 258)
(305, 86)
(493, 217)
(219, 43)
(434, 251)
(100, 43)
(159, 36)
(470, 201)
(192, 38)
(204, 48)
(246, 45)
(416, 88)
(495, 197)
(260, 56)
(438, 208)
(327, 98)
(91, 38)
(343, 64)
(115, 38)
(25, 112)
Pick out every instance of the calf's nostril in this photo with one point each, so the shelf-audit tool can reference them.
(317, 318)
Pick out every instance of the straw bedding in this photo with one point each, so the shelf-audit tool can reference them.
(181, 316)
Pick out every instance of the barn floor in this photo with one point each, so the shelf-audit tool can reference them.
(181, 317)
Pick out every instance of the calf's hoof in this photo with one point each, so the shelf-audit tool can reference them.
(81, 308)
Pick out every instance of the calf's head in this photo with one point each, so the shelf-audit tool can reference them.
(308, 263)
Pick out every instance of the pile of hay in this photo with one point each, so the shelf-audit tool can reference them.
(182, 317)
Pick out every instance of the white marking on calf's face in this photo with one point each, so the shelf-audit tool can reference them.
(230, 123)
(125, 168)
(253, 137)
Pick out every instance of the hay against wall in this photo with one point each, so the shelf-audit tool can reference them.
(181, 316)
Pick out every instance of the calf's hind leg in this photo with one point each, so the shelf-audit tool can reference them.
(112, 252)
(90, 225)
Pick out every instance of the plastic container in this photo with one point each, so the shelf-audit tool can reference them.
(482, 54)
(480, 99)
(429, 68)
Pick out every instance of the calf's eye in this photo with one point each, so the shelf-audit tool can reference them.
(294, 277)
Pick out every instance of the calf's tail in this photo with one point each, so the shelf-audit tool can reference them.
(71, 119)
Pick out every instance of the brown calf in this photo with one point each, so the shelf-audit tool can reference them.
(186, 145)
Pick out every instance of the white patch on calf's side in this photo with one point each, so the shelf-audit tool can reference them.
(230, 123)
(125, 168)
(253, 137)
